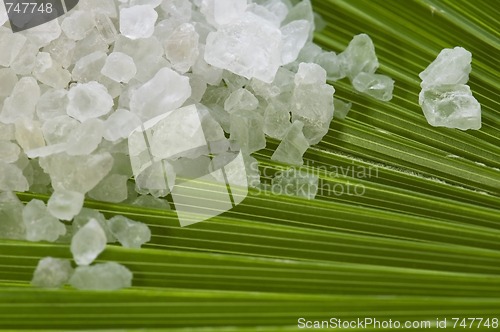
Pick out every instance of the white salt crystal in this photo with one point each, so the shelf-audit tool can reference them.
(52, 104)
(295, 182)
(138, 21)
(8, 80)
(88, 68)
(57, 130)
(11, 209)
(276, 120)
(29, 134)
(310, 73)
(302, 11)
(295, 35)
(226, 11)
(64, 204)
(9, 151)
(88, 243)
(247, 129)
(158, 179)
(178, 9)
(49, 72)
(120, 124)
(166, 91)
(293, 146)
(130, 233)
(40, 225)
(10, 46)
(3, 13)
(201, 68)
(43, 34)
(119, 67)
(61, 50)
(113, 188)
(88, 100)
(309, 53)
(85, 216)
(341, 108)
(85, 138)
(333, 65)
(452, 66)
(181, 47)
(105, 27)
(241, 100)
(378, 86)
(359, 56)
(22, 101)
(77, 24)
(104, 277)
(52, 273)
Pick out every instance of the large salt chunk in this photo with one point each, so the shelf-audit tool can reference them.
(241, 100)
(22, 101)
(378, 86)
(129, 233)
(88, 100)
(52, 273)
(10, 46)
(12, 178)
(295, 182)
(119, 67)
(64, 204)
(166, 91)
(40, 225)
(250, 47)
(104, 277)
(302, 11)
(50, 72)
(77, 24)
(295, 35)
(11, 215)
(138, 21)
(88, 243)
(181, 47)
(451, 106)
(247, 129)
(359, 56)
(85, 138)
(52, 104)
(57, 130)
(452, 66)
(293, 146)
(29, 134)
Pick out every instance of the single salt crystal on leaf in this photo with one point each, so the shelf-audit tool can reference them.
(88, 100)
(85, 215)
(12, 178)
(451, 106)
(377, 86)
(88, 243)
(295, 35)
(341, 108)
(119, 67)
(130, 233)
(359, 56)
(104, 277)
(247, 129)
(120, 124)
(9, 151)
(10, 46)
(250, 47)
(11, 213)
(452, 66)
(166, 91)
(52, 104)
(113, 188)
(52, 273)
(40, 225)
(293, 146)
(77, 24)
(181, 47)
(65, 204)
(29, 134)
(138, 21)
(22, 101)
(241, 100)
(295, 182)
(85, 138)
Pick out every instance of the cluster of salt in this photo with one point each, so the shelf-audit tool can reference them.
(445, 98)
(73, 90)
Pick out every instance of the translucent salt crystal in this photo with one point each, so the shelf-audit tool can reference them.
(130, 233)
(278, 8)
(166, 91)
(85, 138)
(378, 86)
(85, 216)
(90, 44)
(52, 104)
(138, 21)
(452, 66)
(312, 102)
(341, 108)
(77, 24)
(64, 204)
(264, 13)
(309, 53)
(225, 11)
(158, 179)
(77, 173)
(451, 106)
(7, 132)
(276, 120)
(120, 124)
(359, 56)
(181, 47)
(295, 182)
(42, 35)
(11, 45)
(57, 130)
(293, 146)
(8, 80)
(241, 100)
(9, 152)
(247, 129)
(119, 67)
(104, 277)
(61, 50)
(11, 214)
(214, 99)
(151, 202)
(178, 9)
(105, 27)
(88, 243)
(234, 81)
(249, 46)
(295, 35)
(105, 7)
(40, 225)
(112, 188)
(88, 68)
(198, 88)
(283, 83)
(50, 73)
(210, 74)
(29, 134)
(88, 100)
(22, 101)
(52, 273)
(332, 64)
(302, 11)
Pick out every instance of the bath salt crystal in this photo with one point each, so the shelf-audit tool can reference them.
(101, 277)
(452, 66)
(88, 243)
(77, 24)
(88, 100)
(88, 68)
(57, 130)
(40, 225)
(119, 67)
(22, 101)
(29, 134)
(49, 72)
(375, 85)
(85, 138)
(11, 45)
(65, 204)
(130, 233)
(247, 129)
(276, 120)
(85, 215)
(113, 189)
(9, 151)
(241, 100)
(8, 80)
(293, 146)
(52, 273)
(181, 47)
(295, 182)
(333, 65)
(120, 124)
(359, 56)
(52, 104)
(138, 21)
(295, 35)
